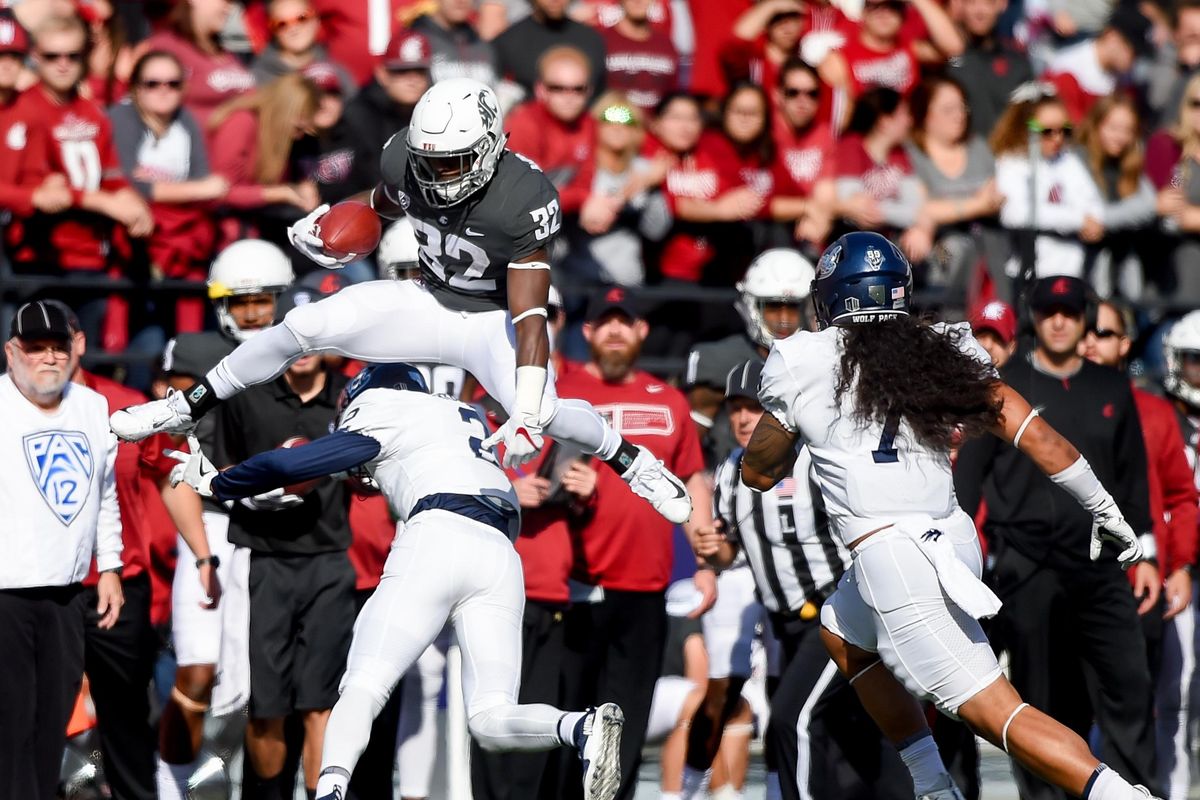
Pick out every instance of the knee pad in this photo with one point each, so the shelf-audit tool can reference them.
(374, 694)
(305, 322)
(480, 726)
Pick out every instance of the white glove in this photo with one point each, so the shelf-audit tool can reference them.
(193, 468)
(522, 439)
(273, 500)
(1108, 524)
(305, 236)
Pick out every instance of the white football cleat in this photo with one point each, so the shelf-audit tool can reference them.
(168, 415)
(946, 792)
(600, 749)
(649, 478)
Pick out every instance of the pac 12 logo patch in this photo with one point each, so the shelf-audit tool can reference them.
(61, 465)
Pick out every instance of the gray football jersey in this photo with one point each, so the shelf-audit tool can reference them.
(465, 250)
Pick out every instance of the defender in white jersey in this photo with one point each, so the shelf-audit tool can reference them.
(878, 398)
(452, 560)
(485, 218)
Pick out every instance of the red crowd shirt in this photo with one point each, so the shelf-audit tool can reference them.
(372, 529)
(896, 68)
(211, 79)
(800, 156)
(880, 181)
(74, 139)
(627, 545)
(545, 543)
(713, 22)
(609, 13)
(1173, 495)
(705, 174)
(644, 70)
(566, 153)
(13, 196)
(234, 156)
(132, 496)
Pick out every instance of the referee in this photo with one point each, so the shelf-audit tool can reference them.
(59, 501)
(1066, 616)
(815, 738)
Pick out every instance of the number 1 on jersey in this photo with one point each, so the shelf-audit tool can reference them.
(886, 454)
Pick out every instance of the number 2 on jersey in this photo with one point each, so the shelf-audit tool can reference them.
(472, 418)
(435, 248)
(886, 454)
(548, 220)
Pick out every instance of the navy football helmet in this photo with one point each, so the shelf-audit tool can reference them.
(861, 278)
(384, 376)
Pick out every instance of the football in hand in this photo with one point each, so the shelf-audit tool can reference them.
(349, 227)
(303, 487)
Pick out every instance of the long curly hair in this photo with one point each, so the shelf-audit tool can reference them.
(905, 367)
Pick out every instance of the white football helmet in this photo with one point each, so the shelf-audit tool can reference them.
(250, 266)
(1184, 337)
(455, 138)
(397, 253)
(779, 275)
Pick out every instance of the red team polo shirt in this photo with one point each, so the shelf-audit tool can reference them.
(74, 139)
(627, 545)
(14, 197)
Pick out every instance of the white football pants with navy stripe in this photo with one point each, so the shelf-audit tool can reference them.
(1172, 698)
(443, 566)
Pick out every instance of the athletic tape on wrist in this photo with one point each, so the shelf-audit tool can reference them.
(1021, 430)
(539, 311)
(1082, 484)
(531, 386)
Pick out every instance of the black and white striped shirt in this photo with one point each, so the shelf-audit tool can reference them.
(784, 534)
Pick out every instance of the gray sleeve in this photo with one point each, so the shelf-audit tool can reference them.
(1134, 211)
(127, 134)
(902, 211)
(198, 155)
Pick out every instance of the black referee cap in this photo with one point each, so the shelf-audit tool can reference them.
(742, 380)
(42, 319)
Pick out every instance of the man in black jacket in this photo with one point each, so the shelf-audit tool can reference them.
(386, 104)
(990, 67)
(1064, 616)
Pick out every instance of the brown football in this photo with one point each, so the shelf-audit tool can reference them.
(304, 487)
(349, 227)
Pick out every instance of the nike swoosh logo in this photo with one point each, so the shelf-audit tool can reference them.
(471, 232)
(655, 388)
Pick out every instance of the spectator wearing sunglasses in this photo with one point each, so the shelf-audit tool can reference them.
(640, 59)
(59, 131)
(1062, 209)
(1085, 72)
(293, 47)
(555, 131)
(458, 50)
(164, 158)
(214, 75)
(803, 139)
(1173, 166)
(386, 104)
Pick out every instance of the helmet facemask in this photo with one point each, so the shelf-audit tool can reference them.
(468, 170)
(1174, 382)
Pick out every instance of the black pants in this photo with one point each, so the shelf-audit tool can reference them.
(372, 776)
(119, 662)
(819, 734)
(41, 639)
(520, 776)
(1061, 623)
(613, 654)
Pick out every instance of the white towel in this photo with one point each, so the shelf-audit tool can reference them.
(959, 582)
(232, 689)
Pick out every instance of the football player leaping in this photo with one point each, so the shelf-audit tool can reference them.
(878, 398)
(484, 217)
(452, 560)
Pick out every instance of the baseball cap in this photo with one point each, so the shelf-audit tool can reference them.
(194, 354)
(743, 380)
(406, 50)
(42, 319)
(13, 37)
(1059, 291)
(614, 298)
(314, 286)
(324, 75)
(997, 317)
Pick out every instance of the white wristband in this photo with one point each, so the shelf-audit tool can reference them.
(1082, 484)
(531, 386)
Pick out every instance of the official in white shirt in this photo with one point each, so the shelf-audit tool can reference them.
(58, 506)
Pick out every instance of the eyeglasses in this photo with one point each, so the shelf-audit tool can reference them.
(619, 115)
(74, 56)
(1105, 333)
(559, 88)
(174, 84)
(60, 352)
(288, 22)
(791, 93)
